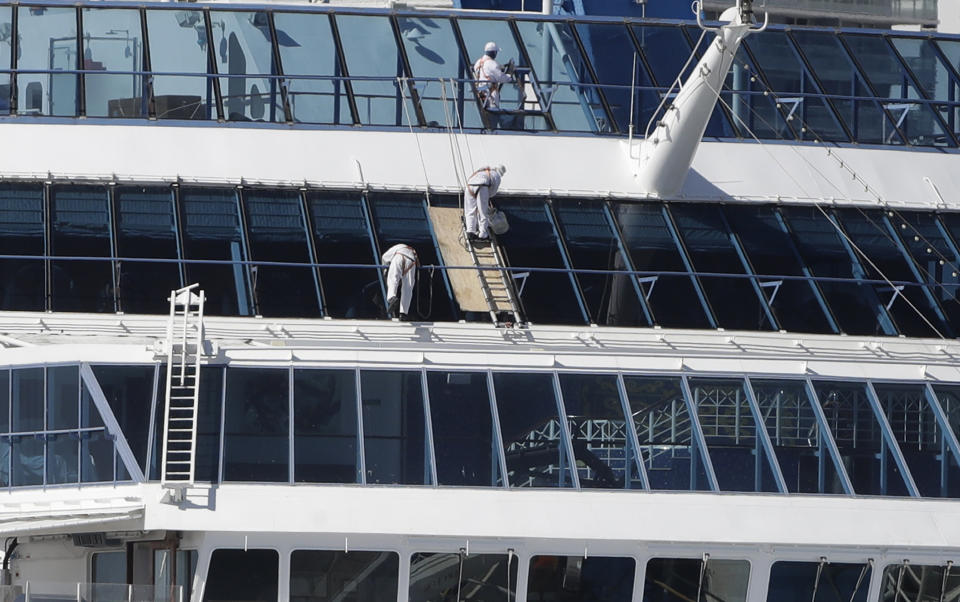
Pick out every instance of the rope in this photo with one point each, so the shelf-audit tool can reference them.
(460, 576)
(400, 82)
(676, 82)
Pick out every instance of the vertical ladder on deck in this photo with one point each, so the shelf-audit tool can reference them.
(184, 348)
(497, 284)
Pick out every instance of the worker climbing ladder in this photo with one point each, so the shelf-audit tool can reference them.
(184, 348)
(496, 283)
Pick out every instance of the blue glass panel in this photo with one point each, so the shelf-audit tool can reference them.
(211, 230)
(277, 232)
(672, 298)
(244, 47)
(325, 426)
(681, 579)
(950, 91)
(208, 425)
(592, 245)
(307, 47)
(6, 24)
(27, 458)
(666, 49)
(371, 52)
(342, 235)
(602, 444)
(112, 41)
(434, 575)
(62, 458)
(463, 431)
(27, 400)
(129, 391)
(63, 397)
(816, 582)
(5, 447)
(96, 457)
(256, 426)
(547, 297)
(948, 398)
(22, 232)
(47, 41)
(599, 579)
(750, 106)
(665, 433)
(534, 443)
(81, 228)
(178, 44)
(344, 575)
(394, 428)
(146, 227)
(4, 402)
(932, 74)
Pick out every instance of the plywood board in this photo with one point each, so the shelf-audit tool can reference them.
(448, 227)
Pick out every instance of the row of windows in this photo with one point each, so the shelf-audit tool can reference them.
(319, 67)
(288, 253)
(254, 575)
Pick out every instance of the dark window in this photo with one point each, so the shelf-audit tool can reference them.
(62, 449)
(21, 233)
(463, 436)
(97, 457)
(27, 400)
(948, 398)
(129, 391)
(278, 233)
(917, 582)
(243, 576)
(325, 426)
(256, 428)
(210, 404)
(109, 567)
(488, 576)
(27, 458)
(682, 579)
(820, 582)
(354, 576)
(81, 228)
(579, 579)
(394, 428)
(63, 398)
(4, 401)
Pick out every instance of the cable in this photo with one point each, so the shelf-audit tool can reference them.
(400, 82)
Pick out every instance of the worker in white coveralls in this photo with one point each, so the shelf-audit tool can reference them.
(490, 77)
(481, 186)
(402, 274)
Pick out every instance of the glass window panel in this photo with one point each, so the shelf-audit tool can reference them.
(27, 459)
(672, 298)
(320, 575)
(47, 38)
(256, 427)
(665, 433)
(403, 219)
(96, 457)
(738, 456)
(371, 52)
(129, 391)
(27, 398)
(771, 252)
(4, 401)
(89, 414)
(22, 233)
(602, 444)
(465, 445)
(325, 426)
(919, 583)
(81, 228)
(277, 232)
(865, 455)
(666, 49)
(243, 576)
(245, 47)
(62, 458)
(109, 567)
(487, 576)
(857, 308)
(951, 92)
(63, 397)
(708, 243)
(112, 41)
(212, 232)
(547, 297)
(6, 24)
(534, 442)
(146, 228)
(933, 75)
(948, 397)
(307, 47)
(342, 235)
(797, 440)
(5, 461)
(684, 579)
(831, 582)
(611, 299)
(178, 44)
(750, 104)
(394, 428)
(579, 579)
(208, 425)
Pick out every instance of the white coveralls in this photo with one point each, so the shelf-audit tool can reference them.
(489, 77)
(481, 186)
(402, 274)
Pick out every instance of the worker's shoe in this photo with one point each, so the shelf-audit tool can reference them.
(404, 318)
(472, 237)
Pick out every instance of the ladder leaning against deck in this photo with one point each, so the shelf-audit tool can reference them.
(184, 348)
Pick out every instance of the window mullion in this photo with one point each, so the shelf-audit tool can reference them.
(748, 268)
(631, 432)
(628, 261)
(566, 434)
(826, 437)
(497, 434)
(764, 436)
(685, 257)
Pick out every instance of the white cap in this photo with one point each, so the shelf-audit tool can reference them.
(502, 169)
(491, 47)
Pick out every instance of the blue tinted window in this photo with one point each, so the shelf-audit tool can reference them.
(6, 21)
(129, 391)
(371, 52)
(81, 228)
(63, 398)
(21, 233)
(934, 255)
(600, 579)
(820, 582)
(325, 426)
(28, 458)
(245, 49)
(256, 429)
(112, 41)
(210, 404)
(394, 428)
(47, 38)
(933, 74)
(97, 457)
(178, 44)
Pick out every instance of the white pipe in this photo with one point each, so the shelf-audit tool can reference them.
(548, 7)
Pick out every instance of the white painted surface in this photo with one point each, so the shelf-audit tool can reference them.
(949, 16)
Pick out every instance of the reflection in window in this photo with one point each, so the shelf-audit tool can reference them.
(243, 576)
(27, 401)
(256, 443)
(47, 39)
(685, 579)
(371, 52)
(112, 42)
(919, 583)
(81, 228)
(579, 579)
(244, 48)
(668, 449)
(948, 398)
(319, 575)
(819, 582)
(129, 391)
(325, 426)
(534, 441)
(62, 458)
(178, 44)
(464, 442)
(63, 398)
(6, 24)
(394, 428)
(210, 403)
(21, 233)
(479, 577)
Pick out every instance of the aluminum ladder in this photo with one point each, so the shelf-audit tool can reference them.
(497, 284)
(184, 348)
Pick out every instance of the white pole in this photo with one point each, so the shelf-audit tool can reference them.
(548, 7)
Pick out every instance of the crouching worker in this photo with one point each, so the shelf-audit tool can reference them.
(481, 187)
(401, 274)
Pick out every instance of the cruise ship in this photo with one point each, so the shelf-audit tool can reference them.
(714, 357)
